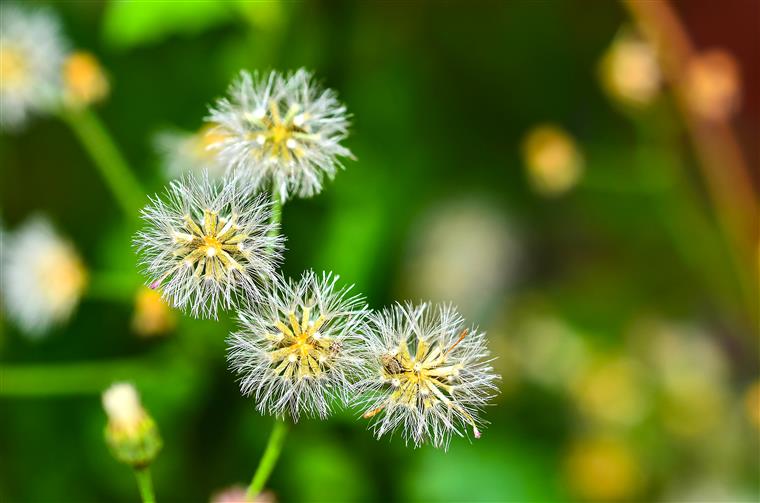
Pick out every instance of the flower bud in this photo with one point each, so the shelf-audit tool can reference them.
(84, 80)
(713, 83)
(629, 71)
(553, 161)
(152, 315)
(131, 433)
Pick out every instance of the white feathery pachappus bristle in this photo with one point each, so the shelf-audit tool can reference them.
(209, 244)
(298, 349)
(429, 374)
(282, 131)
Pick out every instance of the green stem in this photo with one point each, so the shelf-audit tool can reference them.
(69, 378)
(112, 286)
(109, 161)
(268, 459)
(276, 210)
(145, 484)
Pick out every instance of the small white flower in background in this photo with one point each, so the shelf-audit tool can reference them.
(42, 276)
(32, 52)
(298, 349)
(209, 244)
(463, 251)
(185, 152)
(282, 131)
(430, 374)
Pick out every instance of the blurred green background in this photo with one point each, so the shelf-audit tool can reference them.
(626, 344)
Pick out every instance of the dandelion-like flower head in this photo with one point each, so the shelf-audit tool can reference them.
(298, 349)
(283, 130)
(42, 277)
(31, 57)
(430, 374)
(209, 244)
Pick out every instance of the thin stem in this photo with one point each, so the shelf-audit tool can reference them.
(276, 210)
(725, 170)
(69, 378)
(268, 459)
(145, 484)
(109, 161)
(112, 286)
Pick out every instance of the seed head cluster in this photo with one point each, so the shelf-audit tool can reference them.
(303, 346)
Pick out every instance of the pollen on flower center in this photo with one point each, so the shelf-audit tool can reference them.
(299, 350)
(276, 134)
(426, 376)
(211, 247)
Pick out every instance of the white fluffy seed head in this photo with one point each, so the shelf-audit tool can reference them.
(41, 275)
(32, 52)
(278, 359)
(284, 130)
(231, 250)
(429, 374)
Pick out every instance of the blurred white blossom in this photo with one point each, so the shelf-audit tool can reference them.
(32, 52)
(42, 276)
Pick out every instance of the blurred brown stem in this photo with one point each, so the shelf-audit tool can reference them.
(723, 166)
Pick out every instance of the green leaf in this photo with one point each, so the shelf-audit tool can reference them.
(130, 23)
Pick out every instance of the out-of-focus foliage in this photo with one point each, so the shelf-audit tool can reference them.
(612, 307)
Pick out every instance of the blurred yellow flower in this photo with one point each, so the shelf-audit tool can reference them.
(552, 158)
(614, 391)
(603, 469)
(752, 403)
(152, 315)
(713, 85)
(629, 71)
(84, 80)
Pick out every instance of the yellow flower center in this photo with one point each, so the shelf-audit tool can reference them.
(213, 248)
(281, 138)
(425, 378)
(13, 69)
(299, 350)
